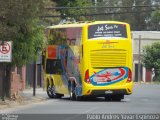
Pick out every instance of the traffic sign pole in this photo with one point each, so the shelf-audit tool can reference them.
(5, 56)
(3, 81)
(35, 79)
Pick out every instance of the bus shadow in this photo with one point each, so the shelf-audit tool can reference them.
(90, 99)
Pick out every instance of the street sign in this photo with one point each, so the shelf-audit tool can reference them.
(5, 51)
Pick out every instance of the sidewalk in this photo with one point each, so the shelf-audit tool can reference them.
(25, 97)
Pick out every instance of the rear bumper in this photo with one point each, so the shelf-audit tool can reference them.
(104, 92)
(108, 90)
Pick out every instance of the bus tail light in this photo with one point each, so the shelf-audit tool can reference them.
(87, 79)
(129, 76)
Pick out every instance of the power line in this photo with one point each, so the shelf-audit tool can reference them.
(96, 14)
(93, 7)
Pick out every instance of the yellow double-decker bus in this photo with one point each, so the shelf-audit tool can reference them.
(89, 59)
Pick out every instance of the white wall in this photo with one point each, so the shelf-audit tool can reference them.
(147, 38)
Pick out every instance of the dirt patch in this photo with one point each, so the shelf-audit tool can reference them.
(19, 100)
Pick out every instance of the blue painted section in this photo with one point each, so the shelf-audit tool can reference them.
(78, 91)
(61, 56)
(66, 55)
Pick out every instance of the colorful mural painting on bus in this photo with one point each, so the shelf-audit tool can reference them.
(109, 76)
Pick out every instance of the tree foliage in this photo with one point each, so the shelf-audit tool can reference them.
(73, 13)
(155, 20)
(20, 23)
(140, 18)
(151, 58)
(57, 37)
(50, 20)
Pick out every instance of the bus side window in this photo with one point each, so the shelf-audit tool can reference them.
(53, 66)
(50, 66)
(58, 67)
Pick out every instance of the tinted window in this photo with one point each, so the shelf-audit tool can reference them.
(53, 66)
(70, 36)
(74, 35)
(107, 31)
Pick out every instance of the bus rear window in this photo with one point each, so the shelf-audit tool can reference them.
(103, 31)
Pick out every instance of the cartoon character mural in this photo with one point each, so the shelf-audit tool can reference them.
(109, 76)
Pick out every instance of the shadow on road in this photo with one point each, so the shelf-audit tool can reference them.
(86, 99)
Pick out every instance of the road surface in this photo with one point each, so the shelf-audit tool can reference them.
(144, 100)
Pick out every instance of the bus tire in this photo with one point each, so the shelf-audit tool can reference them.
(114, 97)
(51, 90)
(59, 95)
(108, 98)
(118, 97)
(72, 91)
(78, 98)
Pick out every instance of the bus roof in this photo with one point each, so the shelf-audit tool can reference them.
(81, 24)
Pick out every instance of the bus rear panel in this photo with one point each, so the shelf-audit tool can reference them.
(108, 60)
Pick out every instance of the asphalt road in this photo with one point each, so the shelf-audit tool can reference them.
(145, 99)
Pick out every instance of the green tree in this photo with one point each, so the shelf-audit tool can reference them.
(155, 20)
(141, 15)
(137, 17)
(50, 20)
(105, 10)
(151, 59)
(73, 13)
(20, 23)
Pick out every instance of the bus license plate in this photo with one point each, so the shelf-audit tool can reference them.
(108, 92)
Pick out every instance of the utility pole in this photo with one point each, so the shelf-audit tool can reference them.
(35, 79)
(95, 4)
(3, 75)
(139, 60)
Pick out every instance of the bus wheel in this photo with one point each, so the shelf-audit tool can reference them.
(59, 95)
(51, 91)
(108, 98)
(72, 91)
(78, 98)
(118, 97)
